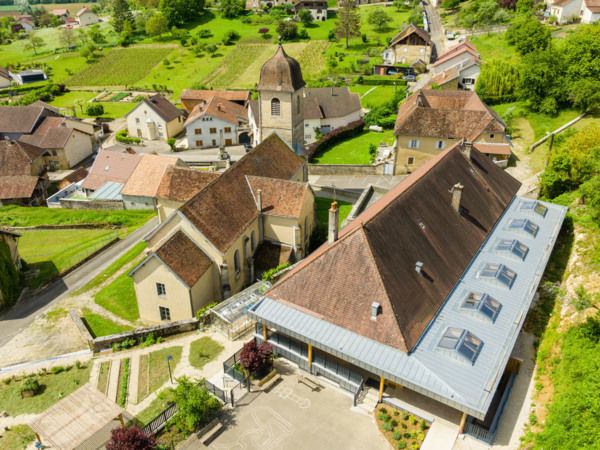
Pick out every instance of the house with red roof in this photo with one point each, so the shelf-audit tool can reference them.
(565, 10)
(86, 16)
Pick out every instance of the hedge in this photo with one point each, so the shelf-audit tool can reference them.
(122, 137)
(382, 80)
(332, 138)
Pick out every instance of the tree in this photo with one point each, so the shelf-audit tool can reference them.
(33, 42)
(287, 30)
(67, 37)
(195, 405)
(528, 35)
(96, 35)
(120, 14)
(82, 36)
(131, 438)
(450, 4)
(180, 12)
(157, 25)
(255, 358)
(498, 81)
(94, 109)
(305, 17)
(379, 19)
(584, 94)
(541, 78)
(524, 6)
(232, 8)
(349, 21)
(126, 33)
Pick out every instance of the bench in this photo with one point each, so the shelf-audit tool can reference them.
(211, 431)
(308, 382)
(269, 381)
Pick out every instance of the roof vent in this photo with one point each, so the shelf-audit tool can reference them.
(375, 310)
(419, 267)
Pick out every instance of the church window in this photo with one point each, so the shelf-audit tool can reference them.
(275, 107)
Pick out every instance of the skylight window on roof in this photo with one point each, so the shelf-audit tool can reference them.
(470, 346)
(450, 338)
(533, 206)
(498, 272)
(512, 246)
(524, 225)
(483, 303)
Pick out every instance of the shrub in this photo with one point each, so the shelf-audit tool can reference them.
(122, 137)
(230, 37)
(204, 34)
(387, 427)
(396, 413)
(57, 369)
(401, 444)
(149, 340)
(407, 435)
(7, 380)
(94, 109)
(256, 358)
(413, 420)
(171, 142)
(397, 436)
(116, 346)
(131, 438)
(268, 275)
(386, 417)
(394, 423)
(404, 426)
(423, 424)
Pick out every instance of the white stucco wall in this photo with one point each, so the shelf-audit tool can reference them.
(78, 147)
(137, 119)
(88, 18)
(588, 16)
(204, 123)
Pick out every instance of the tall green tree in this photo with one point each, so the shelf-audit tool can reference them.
(528, 35)
(157, 25)
(232, 8)
(541, 81)
(379, 19)
(498, 81)
(67, 37)
(96, 35)
(120, 14)
(305, 17)
(348, 25)
(194, 403)
(180, 12)
(33, 42)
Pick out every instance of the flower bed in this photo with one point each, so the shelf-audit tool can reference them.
(401, 429)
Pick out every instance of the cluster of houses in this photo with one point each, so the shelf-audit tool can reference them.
(587, 11)
(317, 8)
(83, 18)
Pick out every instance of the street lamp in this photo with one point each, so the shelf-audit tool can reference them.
(169, 358)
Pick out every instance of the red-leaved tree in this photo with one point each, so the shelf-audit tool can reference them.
(131, 438)
(255, 358)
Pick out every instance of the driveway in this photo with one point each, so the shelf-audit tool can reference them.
(292, 416)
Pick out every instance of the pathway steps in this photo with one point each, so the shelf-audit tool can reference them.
(113, 380)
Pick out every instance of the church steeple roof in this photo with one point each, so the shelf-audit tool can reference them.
(281, 73)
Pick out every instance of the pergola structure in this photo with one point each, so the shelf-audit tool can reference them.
(76, 418)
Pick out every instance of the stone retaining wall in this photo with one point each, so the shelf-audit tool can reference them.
(92, 204)
(345, 169)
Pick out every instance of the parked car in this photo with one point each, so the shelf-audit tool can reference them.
(409, 78)
(393, 72)
(450, 35)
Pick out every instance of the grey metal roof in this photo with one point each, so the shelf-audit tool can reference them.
(109, 191)
(439, 373)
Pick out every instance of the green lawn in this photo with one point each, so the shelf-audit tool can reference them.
(17, 438)
(203, 351)
(119, 298)
(154, 371)
(376, 97)
(117, 264)
(120, 67)
(492, 45)
(323, 205)
(157, 405)
(103, 377)
(22, 216)
(54, 387)
(354, 150)
(101, 326)
(54, 251)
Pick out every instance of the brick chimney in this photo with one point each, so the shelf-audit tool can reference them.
(334, 219)
(456, 195)
(467, 147)
(259, 200)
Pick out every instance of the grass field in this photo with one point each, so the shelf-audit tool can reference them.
(54, 387)
(101, 326)
(80, 100)
(203, 351)
(493, 45)
(54, 251)
(154, 371)
(120, 67)
(103, 377)
(157, 405)
(17, 438)
(376, 97)
(322, 208)
(119, 298)
(354, 150)
(21, 216)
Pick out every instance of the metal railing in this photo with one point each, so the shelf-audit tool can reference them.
(159, 422)
(229, 367)
(217, 392)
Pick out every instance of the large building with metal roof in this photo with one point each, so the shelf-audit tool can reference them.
(428, 288)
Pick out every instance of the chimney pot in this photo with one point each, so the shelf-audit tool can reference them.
(375, 310)
(334, 218)
(467, 146)
(259, 200)
(456, 196)
(419, 267)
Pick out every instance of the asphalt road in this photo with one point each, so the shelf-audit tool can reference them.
(25, 312)
(436, 29)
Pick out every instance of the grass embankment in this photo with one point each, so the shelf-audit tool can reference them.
(101, 326)
(117, 264)
(17, 437)
(79, 100)
(354, 150)
(53, 388)
(377, 96)
(119, 298)
(123, 382)
(103, 377)
(154, 370)
(203, 351)
(157, 405)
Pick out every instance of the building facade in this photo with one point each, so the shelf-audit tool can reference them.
(155, 118)
(409, 46)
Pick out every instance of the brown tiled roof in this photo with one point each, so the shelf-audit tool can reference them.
(163, 107)
(561, 2)
(444, 77)
(331, 102)
(279, 197)
(56, 137)
(219, 107)
(83, 11)
(269, 256)
(77, 175)
(412, 29)
(448, 114)
(224, 208)
(493, 149)
(458, 49)
(32, 151)
(16, 158)
(205, 94)
(145, 178)
(184, 258)
(180, 184)
(46, 105)
(374, 258)
(48, 123)
(60, 12)
(280, 73)
(311, 108)
(110, 166)
(17, 186)
(593, 5)
(19, 119)
(4, 73)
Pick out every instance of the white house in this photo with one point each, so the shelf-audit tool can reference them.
(328, 109)
(587, 10)
(155, 118)
(317, 8)
(26, 22)
(5, 78)
(87, 17)
(219, 117)
(590, 11)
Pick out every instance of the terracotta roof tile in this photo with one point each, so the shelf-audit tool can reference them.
(197, 94)
(374, 258)
(593, 5)
(147, 174)
(493, 149)
(163, 107)
(19, 119)
(16, 158)
(77, 175)
(17, 186)
(224, 208)
(279, 197)
(269, 255)
(110, 166)
(412, 29)
(459, 49)
(219, 107)
(184, 258)
(180, 184)
(47, 135)
(83, 11)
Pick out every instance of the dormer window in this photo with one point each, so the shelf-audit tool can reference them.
(533, 206)
(512, 247)
(483, 303)
(524, 225)
(498, 272)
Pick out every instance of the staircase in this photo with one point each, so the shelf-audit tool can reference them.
(368, 399)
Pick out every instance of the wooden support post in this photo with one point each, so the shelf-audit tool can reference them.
(121, 420)
(264, 333)
(381, 385)
(37, 436)
(463, 421)
(309, 356)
